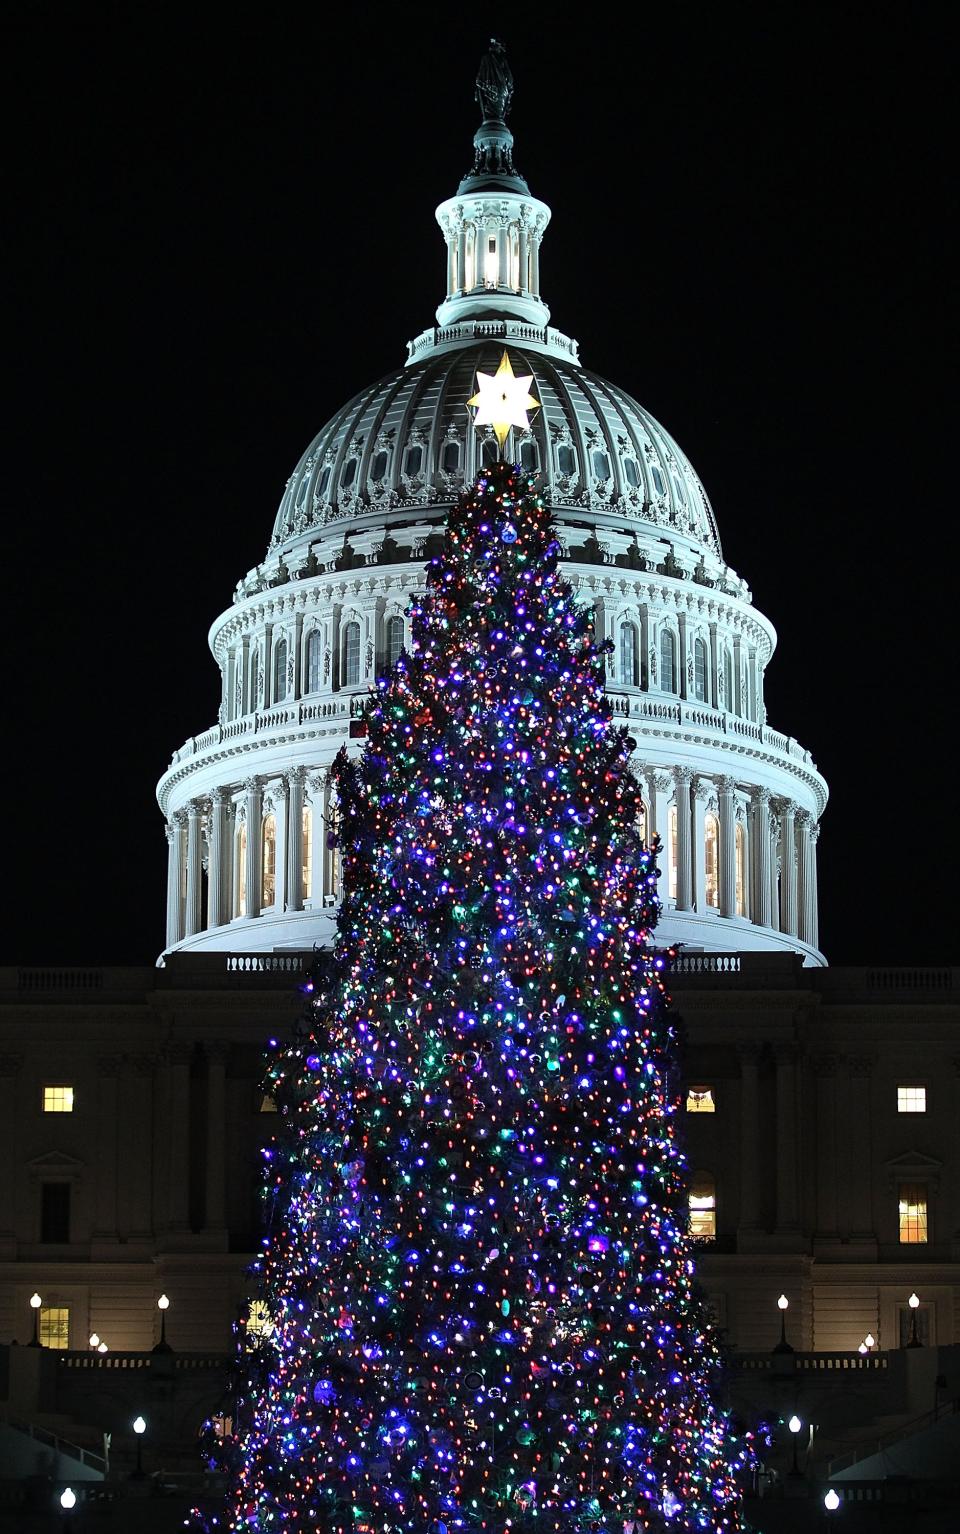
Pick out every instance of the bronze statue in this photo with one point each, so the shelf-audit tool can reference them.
(494, 88)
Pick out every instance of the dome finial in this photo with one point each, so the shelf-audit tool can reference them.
(494, 88)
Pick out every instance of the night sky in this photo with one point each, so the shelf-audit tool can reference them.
(220, 227)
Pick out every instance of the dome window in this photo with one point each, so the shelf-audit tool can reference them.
(395, 637)
(632, 473)
(349, 474)
(313, 661)
(280, 671)
(450, 458)
(324, 483)
(628, 655)
(529, 456)
(268, 877)
(658, 483)
(490, 454)
(413, 460)
(601, 465)
(378, 469)
(351, 655)
(241, 865)
(678, 491)
(668, 666)
(741, 871)
(306, 855)
(700, 670)
(566, 461)
(711, 849)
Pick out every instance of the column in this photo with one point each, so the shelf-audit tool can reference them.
(535, 263)
(10, 1066)
(503, 253)
(776, 806)
(749, 1054)
(253, 789)
(760, 904)
(682, 777)
(523, 277)
(658, 786)
(728, 847)
(217, 877)
(859, 1158)
(280, 793)
(701, 793)
(318, 836)
(105, 1221)
(828, 1171)
(294, 838)
(177, 1058)
(216, 1053)
(194, 867)
(175, 877)
(785, 1053)
(788, 869)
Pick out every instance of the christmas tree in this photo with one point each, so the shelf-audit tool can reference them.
(478, 1265)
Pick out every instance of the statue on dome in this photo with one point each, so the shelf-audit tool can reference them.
(494, 87)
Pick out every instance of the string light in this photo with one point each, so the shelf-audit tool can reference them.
(478, 1270)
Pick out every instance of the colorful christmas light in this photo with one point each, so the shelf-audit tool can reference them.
(478, 1263)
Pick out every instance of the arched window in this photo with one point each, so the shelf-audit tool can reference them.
(268, 882)
(700, 670)
(741, 871)
(450, 457)
(242, 870)
(659, 485)
(395, 637)
(711, 857)
(351, 655)
(628, 655)
(280, 671)
(306, 860)
(672, 852)
(703, 1207)
(642, 821)
(668, 667)
(529, 457)
(314, 661)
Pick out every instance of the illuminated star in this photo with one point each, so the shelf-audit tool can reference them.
(503, 400)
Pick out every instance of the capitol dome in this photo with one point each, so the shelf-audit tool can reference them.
(736, 803)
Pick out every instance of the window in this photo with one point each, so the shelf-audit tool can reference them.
(678, 491)
(306, 861)
(632, 473)
(529, 457)
(242, 871)
(668, 682)
(259, 1324)
(413, 458)
(313, 661)
(672, 852)
(324, 482)
(349, 473)
(378, 468)
(628, 655)
(913, 1213)
(268, 887)
(566, 462)
(642, 821)
(280, 671)
(703, 1207)
(55, 1212)
(395, 638)
(661, 488)
(450, 458)
(700, 670)
(53, 1326)
(711, 858)
(741, 871)
(351, 655)
(700, 1100)
(601, 465)
(58, 1099)
(911, 1099)
(490, 453)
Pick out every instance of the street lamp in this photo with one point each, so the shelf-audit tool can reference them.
(914, 1303)
(163, 1346)
(68, 1499)
(139, 1427)
(102, 1347)
(94, 1340)
(795, 1425)
(831, 1502)
(783, 1345)
(35, 1303)
(870, 1340)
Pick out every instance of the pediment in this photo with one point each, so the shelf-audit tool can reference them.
(56, 1164)
(913, 1163)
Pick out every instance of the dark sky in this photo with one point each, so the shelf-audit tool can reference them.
(220, 226)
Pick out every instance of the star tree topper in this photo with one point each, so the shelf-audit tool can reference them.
(503, 400)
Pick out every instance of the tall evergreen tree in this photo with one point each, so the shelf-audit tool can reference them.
(478, 1265)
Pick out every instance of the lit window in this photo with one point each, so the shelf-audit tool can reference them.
(55, 1213)
(703, 1207)
(395, 637)
(280, 671)
(58, 1099)
(53, 1327)
(711, 843)
(351, 655)
(259, 1324)
(306, 861)
(913, 1213)
(642, 821)
(672, 852)
(268, 889)
(741, 873)
(313, 661)
(242, 871)
(267, 1104)
(667, 666)
(628, 655)
(700, 1100)
(700, 670)
(911, 1099)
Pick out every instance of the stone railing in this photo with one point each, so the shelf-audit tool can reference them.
(266, 721)
(698, 716)
(497, 330)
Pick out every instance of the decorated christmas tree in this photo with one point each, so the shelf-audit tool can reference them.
(478, 1265)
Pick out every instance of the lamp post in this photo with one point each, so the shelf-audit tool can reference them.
(795, 1425)
(68, 1501)
(783, 1345)
(139, 1427)
(35, 1303)
(163, 1346)
(831, 1502)
(914, 1303)
(94, 1341)
(870, 1341)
